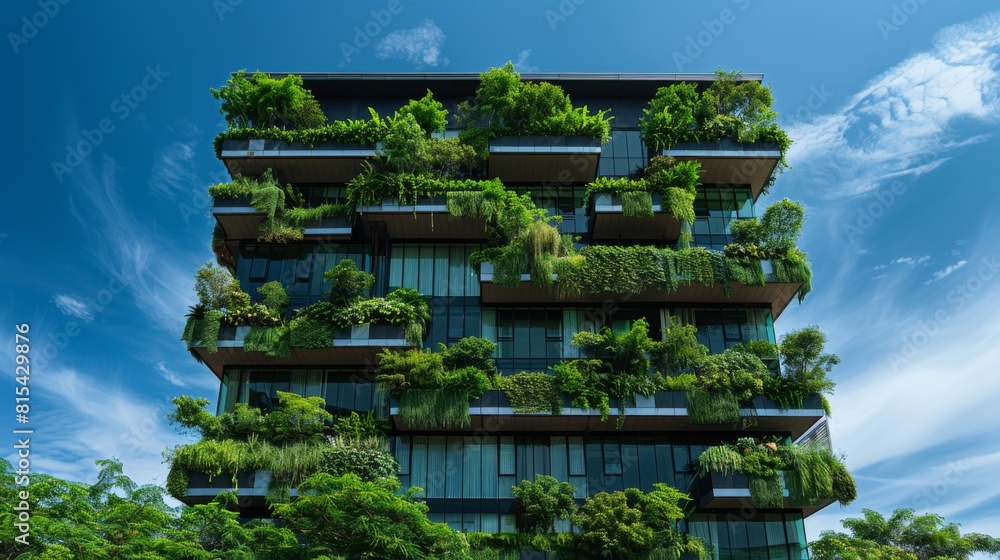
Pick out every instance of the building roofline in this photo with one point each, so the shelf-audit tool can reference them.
(403, 84)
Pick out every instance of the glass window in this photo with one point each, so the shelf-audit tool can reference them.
(714, 209)
(439, 269)
(528, 339)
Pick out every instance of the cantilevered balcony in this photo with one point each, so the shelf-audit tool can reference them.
(326, 162)
(610, 222)
(728, 162)
(666, 411)
(544, 159)
(251, 490)
(358, 345)
(732, 492)
(427, 219)
(237, 217)
(776, 294)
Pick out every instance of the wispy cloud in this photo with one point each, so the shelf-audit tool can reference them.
(169, 374)
(420, 45)
(902, 123)
(122, 244)
(173, 172)
(911, 261)
(941, 274)
(74, 307)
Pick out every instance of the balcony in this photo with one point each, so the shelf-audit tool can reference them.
(358, 345)
(251, 490)
(728, 162)
(611, 224)
(666, 411)
(237, 217)
(427, 219)
(776, 294)
(327, 162)
(544, 159)
(732, 492)
(329, 228)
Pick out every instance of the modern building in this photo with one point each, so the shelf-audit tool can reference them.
(467, 472)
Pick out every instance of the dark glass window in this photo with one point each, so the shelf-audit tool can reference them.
(714, 209)
(528, 339)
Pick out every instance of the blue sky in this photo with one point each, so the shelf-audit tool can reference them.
(893, 107)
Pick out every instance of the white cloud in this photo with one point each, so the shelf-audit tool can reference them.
(901, 124)
(73, 306)
(95, 419)
(420, 45)
(941, 274)
(911, 261)
(169, 375)
(121, 243)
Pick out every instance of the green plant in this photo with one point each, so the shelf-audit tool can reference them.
(584, 381)
(272, 341)
(680, 351)
(308, 332)
(260, 101)
(361, 428)
(349, 283)
(470, 351)
(540, 503)
(507, 106)
(804, 368)
(429, 113)
(350, 131)
(276, 298)
(530, 393)
(352, 456)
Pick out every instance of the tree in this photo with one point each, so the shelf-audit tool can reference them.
(903, 536)
(355, 519)
(260, 101)
(216, 287)
(429, 113)
(804, 366)
(349, 283)
(542, 502)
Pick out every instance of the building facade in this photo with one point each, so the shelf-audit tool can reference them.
(467, 472)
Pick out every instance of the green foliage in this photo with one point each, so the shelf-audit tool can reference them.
(506, 106)
(584, 381)
(329, 509)
(216, 287)
(266, 195)
(540, 503)
(810, 473)
(429, 393)
(404, 149)
(276, 298)
(361, 428)
(272, 341)
(349, 131)
(903, 536)
(712, 408)
(740, 110)
(680, 350)
(531, 393)
(429, 113)
(352, 455)
(260, 101)
(302, 216)
(804, 368)
(675, 182)
(308, 332)
(371, 187)
(470, 351)
(349, 283)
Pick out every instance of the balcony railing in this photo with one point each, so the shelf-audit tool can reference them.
(544, 159)
(732, 492)
(610, 223)
(777, 294)
(665, 411)
(426, 219)
(295, 162)
(237, 217)
(357, 345)
(728, 162)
